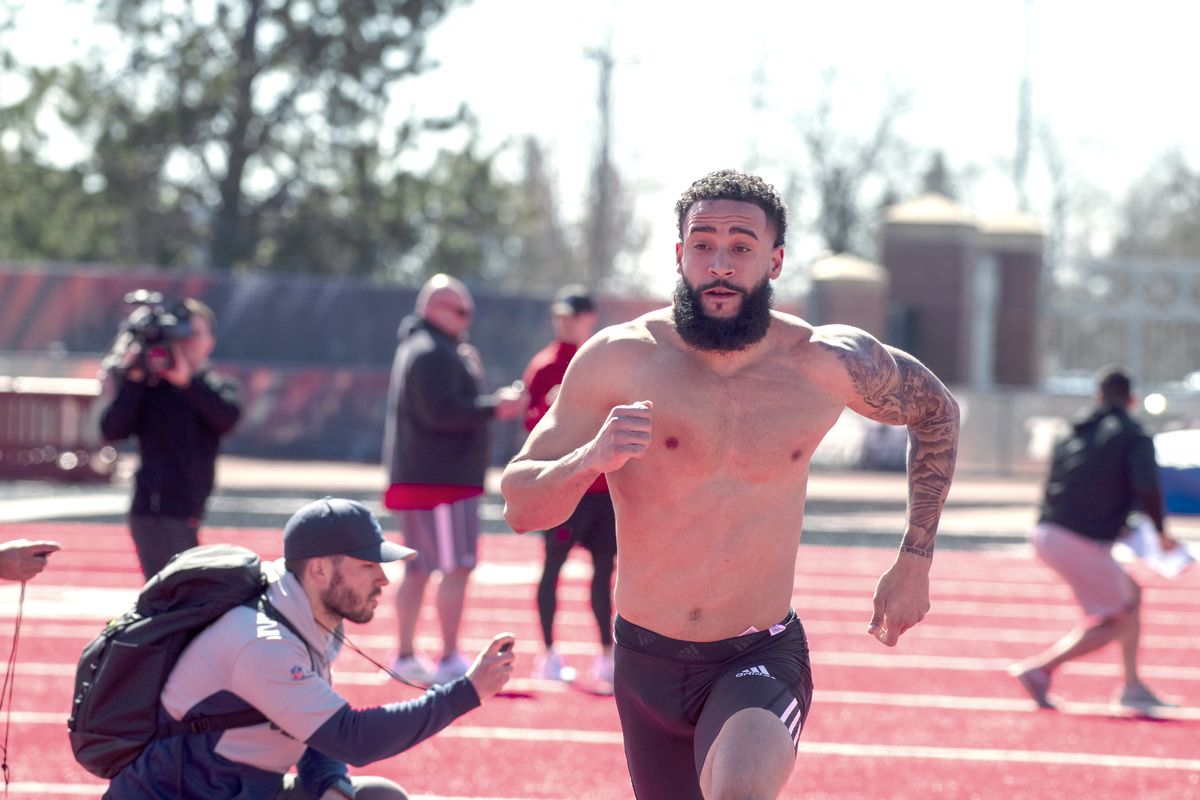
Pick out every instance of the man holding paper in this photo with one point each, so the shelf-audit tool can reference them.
(1103, 470)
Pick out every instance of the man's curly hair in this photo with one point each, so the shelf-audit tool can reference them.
(729, 184)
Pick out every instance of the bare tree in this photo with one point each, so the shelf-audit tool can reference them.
(852, 177)
(546, 256)
(1161, 214)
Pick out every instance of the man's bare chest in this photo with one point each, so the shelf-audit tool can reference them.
(755, 425)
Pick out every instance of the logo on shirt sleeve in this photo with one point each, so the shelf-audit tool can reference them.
(298, 673)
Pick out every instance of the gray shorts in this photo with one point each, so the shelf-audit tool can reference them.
(1087, 565)
(445, 537)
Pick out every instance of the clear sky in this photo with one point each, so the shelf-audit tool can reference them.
(703, 84)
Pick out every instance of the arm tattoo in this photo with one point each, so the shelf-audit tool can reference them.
(898, 390)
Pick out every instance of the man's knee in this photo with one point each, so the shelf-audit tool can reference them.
(1136, 602)
(372, 788)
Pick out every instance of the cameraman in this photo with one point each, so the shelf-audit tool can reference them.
(179, 415)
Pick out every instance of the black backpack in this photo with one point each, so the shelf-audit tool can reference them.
(122, 671)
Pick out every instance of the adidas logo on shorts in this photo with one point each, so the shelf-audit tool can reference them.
(758, 671)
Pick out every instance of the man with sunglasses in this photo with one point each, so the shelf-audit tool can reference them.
(436, 453)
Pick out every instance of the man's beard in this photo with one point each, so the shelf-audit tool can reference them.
(703, 332)
(341, 600)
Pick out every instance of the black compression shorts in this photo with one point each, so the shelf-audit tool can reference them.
(673, 697)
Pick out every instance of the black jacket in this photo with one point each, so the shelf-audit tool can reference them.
(436, 429)
(178, 432)
(1102, 471)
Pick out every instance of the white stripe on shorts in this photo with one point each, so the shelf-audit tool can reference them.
(443, 532)
(793, 712)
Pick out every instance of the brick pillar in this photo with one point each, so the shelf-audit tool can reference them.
(930, 250)
(850, 291)
(1016, 244)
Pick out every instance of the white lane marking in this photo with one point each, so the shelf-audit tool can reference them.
(92, 789)
(857, 750)
(1007, 705)
(32, 509)
(821, 698)
(995, 666)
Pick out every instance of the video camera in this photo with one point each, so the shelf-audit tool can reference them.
(152, 328)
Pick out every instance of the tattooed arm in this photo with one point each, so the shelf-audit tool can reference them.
(890, 386)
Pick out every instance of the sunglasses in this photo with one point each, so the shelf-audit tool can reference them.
(459, 311)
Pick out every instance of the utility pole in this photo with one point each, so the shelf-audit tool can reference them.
(600, 237)
(1024, 119)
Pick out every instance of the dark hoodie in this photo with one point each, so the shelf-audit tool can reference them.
(1102, 471)
(436, 429)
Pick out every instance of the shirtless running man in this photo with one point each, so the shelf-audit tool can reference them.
(704, 417)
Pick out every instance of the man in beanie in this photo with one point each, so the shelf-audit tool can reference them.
(331, 571)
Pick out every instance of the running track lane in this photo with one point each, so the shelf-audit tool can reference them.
(936, 716)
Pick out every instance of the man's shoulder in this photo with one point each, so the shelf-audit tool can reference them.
(835, 336)
(242, 632)
(641, 333)
(546, 357)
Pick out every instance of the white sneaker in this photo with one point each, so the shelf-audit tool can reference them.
(601, 670)
(415, 668)
(1139, 698)
(451, 668)
(549, 666)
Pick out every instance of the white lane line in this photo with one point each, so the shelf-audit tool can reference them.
(584, 642)
(821, 698)
(93, 789)
(856, 750)
(33, 509)
(1007, 705)
(991, 665)
(57, 789)
(351, 672)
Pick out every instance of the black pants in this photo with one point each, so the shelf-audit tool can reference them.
(157, 539)
(594, 526)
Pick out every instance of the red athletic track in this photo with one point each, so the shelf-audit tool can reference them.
(935, 717)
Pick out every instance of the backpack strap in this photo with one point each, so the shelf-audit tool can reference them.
(265, 606)
(233, 719)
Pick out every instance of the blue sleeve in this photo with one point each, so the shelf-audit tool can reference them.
(317, 772)
(364, 736)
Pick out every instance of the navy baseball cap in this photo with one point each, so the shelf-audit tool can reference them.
(572, 300)
(332, 526)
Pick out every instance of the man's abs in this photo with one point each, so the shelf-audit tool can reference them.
(705, 584)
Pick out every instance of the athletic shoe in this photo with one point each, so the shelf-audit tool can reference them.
(1035, 681)
(415, 668)
(451, 668)
(1139, 698)
(549, 666)
(601, 670)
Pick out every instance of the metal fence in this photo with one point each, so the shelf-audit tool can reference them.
(1142, 314)
(48, 430)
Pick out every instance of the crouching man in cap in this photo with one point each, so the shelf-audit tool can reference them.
(330, 572)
